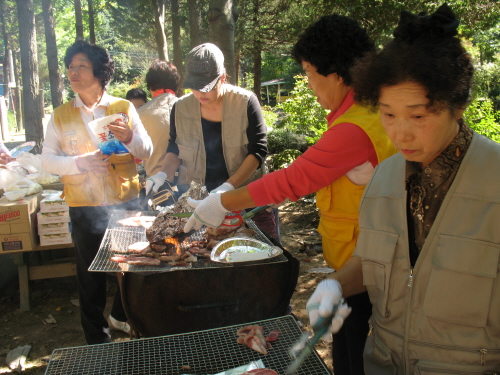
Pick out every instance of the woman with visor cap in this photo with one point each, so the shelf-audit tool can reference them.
(217, 132)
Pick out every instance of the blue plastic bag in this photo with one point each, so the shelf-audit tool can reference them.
(113, 146)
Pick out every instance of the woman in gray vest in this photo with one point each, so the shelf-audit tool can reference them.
(217, 132)
(429, 246)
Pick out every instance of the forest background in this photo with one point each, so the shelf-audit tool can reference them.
(256, 37)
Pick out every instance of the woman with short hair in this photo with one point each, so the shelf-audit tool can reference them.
(337, 167)
(95, 184)
(429, 246)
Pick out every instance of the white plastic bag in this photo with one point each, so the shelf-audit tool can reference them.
(33, 164)
(9, 178)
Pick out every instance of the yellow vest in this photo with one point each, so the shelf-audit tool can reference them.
(119, 185)
(339, 202)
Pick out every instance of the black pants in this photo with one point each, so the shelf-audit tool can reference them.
(88, 227)
(349, 342)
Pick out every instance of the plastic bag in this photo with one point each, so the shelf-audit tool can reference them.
(33, 164)
(8, 178)
(108, 144)
(113, 146)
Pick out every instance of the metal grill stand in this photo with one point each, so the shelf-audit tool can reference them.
(203, 352)
(117, 239)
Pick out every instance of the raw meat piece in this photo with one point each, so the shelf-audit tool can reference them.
(137, 221)
(139, 247)
(137, 261)
(260, 371)
(273, 335)
(144, 261)
(253, 337)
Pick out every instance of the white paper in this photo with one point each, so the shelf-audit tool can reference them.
(99, 127)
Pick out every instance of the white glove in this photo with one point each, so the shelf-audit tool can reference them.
(209, 212)
(154, 182)
(327, 295)
(226, 186)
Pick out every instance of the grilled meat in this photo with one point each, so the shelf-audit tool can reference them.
(165, 226)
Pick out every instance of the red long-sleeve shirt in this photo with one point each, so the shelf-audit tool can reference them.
(340, 149)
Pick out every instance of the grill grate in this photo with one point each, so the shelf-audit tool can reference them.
(205, 352)
(117, 239)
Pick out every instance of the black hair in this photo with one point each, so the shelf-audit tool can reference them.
(332, 45)
(136, 94)
(103, 65)
(162, 75)
(425, 50)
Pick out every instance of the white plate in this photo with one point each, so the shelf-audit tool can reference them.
(242, 250)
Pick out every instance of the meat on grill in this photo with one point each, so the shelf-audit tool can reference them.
(139, 247)
(253, 337)
(137, 221)
(136, 261)
(260, 371)
(165, 226)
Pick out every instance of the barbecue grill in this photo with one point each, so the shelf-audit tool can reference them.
(117, 239)
(204, 296)
(204, 352)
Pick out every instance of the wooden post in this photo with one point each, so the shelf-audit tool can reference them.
(4, 123)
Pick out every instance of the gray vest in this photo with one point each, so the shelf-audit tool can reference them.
(444, 315)
(234, 137)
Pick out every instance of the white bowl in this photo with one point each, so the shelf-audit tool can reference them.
(15, 195)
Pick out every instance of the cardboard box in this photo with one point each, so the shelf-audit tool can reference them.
(53, 202)
(53, 228)
(53, 239)
(11, 243)
(16, 228)
(19, 211)
(53, 217)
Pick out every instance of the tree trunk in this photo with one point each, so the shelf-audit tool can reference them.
(176, 39)
(79, 20)
(91, 22)
(6, 44)
(56, 86)
(195, 28)
(222, 16)
(161, 39)
(257, 70)
(17, 93)
(257, 52)
(29, 70)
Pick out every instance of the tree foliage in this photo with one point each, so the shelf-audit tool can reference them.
(302, 112)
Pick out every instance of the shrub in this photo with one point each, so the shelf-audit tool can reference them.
(282, 159)
(279, 140)
(481, 116)
(303, 114)
(270, 117)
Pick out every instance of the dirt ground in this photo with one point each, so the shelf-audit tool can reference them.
(53, 297)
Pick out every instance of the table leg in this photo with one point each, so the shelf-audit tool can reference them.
(24, 288)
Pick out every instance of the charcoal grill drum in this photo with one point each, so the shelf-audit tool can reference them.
(183, 301)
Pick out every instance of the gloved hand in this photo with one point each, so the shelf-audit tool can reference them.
(327, 295)
(154, 182)
(226, 186)
(209, 212)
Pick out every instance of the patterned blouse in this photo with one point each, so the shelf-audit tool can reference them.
(428, 187)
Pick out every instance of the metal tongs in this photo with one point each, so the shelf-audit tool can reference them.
(305, 345)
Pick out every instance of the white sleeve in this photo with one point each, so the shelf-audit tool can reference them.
(53, 158)
(141, 145)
